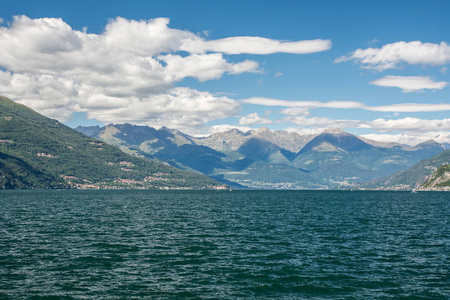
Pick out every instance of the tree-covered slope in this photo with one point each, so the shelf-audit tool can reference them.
(17, 174)
(63, 153)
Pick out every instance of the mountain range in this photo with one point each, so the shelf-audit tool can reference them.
(38, 152)
(269, 159)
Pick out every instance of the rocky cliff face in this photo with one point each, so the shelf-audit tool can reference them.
(439, 180)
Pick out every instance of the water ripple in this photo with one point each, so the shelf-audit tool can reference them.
(222, 245)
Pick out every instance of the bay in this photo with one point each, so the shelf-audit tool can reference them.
(224, 245)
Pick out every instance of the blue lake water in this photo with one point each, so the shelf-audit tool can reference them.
(224, 245)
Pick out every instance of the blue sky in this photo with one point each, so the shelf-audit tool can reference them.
(377, 69)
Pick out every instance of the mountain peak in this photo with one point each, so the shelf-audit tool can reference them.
(430, 141)
(234, 130)
(263, 130)
(428, 144)
(334, 131)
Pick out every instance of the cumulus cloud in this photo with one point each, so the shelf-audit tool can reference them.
(38, 91)
(182, 108)
(253, 119)
(204, 67)
(391, 56)
(410, 84)
(126, 73)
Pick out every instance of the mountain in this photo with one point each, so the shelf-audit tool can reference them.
(439, 180)
(270, 159)
(258, 149)
(17, 174)
(232, 139)
(38, 152)
(343, 159)
(412, 177)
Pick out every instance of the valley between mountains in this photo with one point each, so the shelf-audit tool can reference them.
(38, 152)
(269, 159)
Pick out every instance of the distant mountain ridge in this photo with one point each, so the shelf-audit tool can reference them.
(38, 152)
(413, 177)
(270, 159)
(234, 138)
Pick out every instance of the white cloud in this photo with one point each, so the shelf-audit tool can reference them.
(391, 56)
(253, 119)
(255, 45)
(409, 139)
(35, 90)
(182, 108)
(227, 127)
(307, 104)
(443, 70)
(403, 107)
(410, 84)
(145, 38)
(305, 131)
(295, 111)
(203, 67)
(373, 41)
(128, 72)
(322, 122)
(409, 124)
(278, 74)
(410, 107)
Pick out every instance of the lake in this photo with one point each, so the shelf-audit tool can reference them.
(224, 245)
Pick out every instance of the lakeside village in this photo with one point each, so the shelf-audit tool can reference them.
(158, 180)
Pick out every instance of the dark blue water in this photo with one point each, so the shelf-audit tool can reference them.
(224, 245)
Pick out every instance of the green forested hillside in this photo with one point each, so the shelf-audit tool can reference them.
(58, 156)
(15, 173)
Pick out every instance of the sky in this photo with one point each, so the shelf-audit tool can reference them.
(377, 69)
